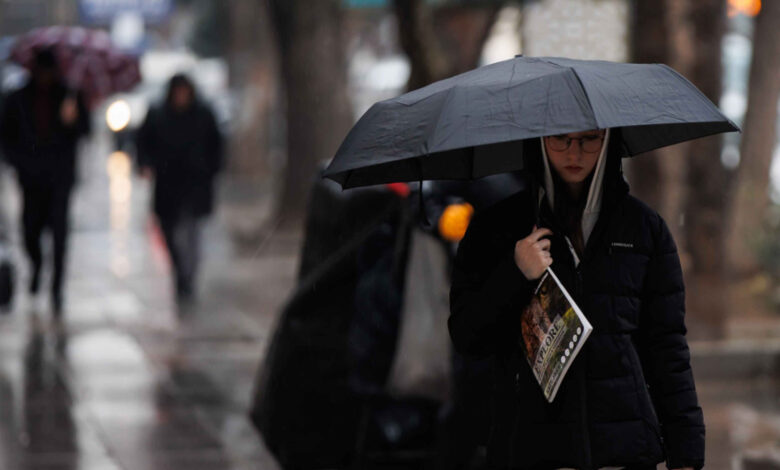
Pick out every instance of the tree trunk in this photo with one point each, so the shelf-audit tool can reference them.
(660, 34)
(707, 179)
(443, 42)
(649, 44)
(317, 108)
(463, 32)
(748, 208)
(253, 65)
(420, 43)
(673, 160)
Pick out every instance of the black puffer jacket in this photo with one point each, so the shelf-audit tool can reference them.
(629, 398)
(184, 148)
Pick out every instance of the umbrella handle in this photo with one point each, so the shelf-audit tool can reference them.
(535, 200)
(423, 213)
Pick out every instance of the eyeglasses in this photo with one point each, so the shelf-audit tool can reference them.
(588, 143)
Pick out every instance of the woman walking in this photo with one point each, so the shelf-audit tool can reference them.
(629, 399)
(180, 145)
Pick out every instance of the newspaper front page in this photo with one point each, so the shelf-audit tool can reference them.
(553, 332)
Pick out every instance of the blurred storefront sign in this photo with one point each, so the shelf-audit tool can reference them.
(20, 16)
(387, 3)
(104, 11)
(579, 29)
(127, 31)
(366, 3)
(744, 7)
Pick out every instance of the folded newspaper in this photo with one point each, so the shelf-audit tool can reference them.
(553, 332)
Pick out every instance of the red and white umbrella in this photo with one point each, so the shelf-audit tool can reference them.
(87, 59)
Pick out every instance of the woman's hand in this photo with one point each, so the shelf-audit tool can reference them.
(532, 253)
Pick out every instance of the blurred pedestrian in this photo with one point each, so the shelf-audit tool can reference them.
(180, 146)
(464, 419)
(629, 399)
(39, 128)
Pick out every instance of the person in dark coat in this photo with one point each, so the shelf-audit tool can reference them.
(39, 129)
(629, 399)
(180, 145)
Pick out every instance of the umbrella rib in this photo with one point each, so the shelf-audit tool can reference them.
(435, 127)
(585, 92)
(695, 90)
(579, 80)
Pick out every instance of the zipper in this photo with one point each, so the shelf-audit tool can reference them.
(582, 375)
(579, 288)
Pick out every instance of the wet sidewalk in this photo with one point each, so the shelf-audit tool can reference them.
(128, 380)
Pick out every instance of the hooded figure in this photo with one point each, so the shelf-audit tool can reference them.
(570, 213)
(180, 145)
(39, 129)
(629, 399)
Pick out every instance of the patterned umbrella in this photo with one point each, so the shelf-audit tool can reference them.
(87, 59)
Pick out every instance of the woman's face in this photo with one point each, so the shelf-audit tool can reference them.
(574, 155)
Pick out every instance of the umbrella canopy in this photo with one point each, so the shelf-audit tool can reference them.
(88, 60)
(472, 125)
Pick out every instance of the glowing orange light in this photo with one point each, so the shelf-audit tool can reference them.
(744, 7)
(455, 220)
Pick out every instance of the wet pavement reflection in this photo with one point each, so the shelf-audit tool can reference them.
(127, 379)
(105, 392)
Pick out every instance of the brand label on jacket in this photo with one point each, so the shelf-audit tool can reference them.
(622, 245)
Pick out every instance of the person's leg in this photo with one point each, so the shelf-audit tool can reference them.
(34, 212)
(189, 237)
(171, 227)
(58, 221)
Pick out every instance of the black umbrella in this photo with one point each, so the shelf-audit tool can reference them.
(472, 125)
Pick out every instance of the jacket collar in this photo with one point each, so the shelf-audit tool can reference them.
(610, 203)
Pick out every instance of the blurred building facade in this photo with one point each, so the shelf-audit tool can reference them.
(579, 29)
(19, 16)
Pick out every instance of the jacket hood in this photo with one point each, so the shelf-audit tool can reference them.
(602, 195)
(595, 193)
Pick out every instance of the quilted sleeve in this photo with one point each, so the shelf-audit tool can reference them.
(666, 357)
